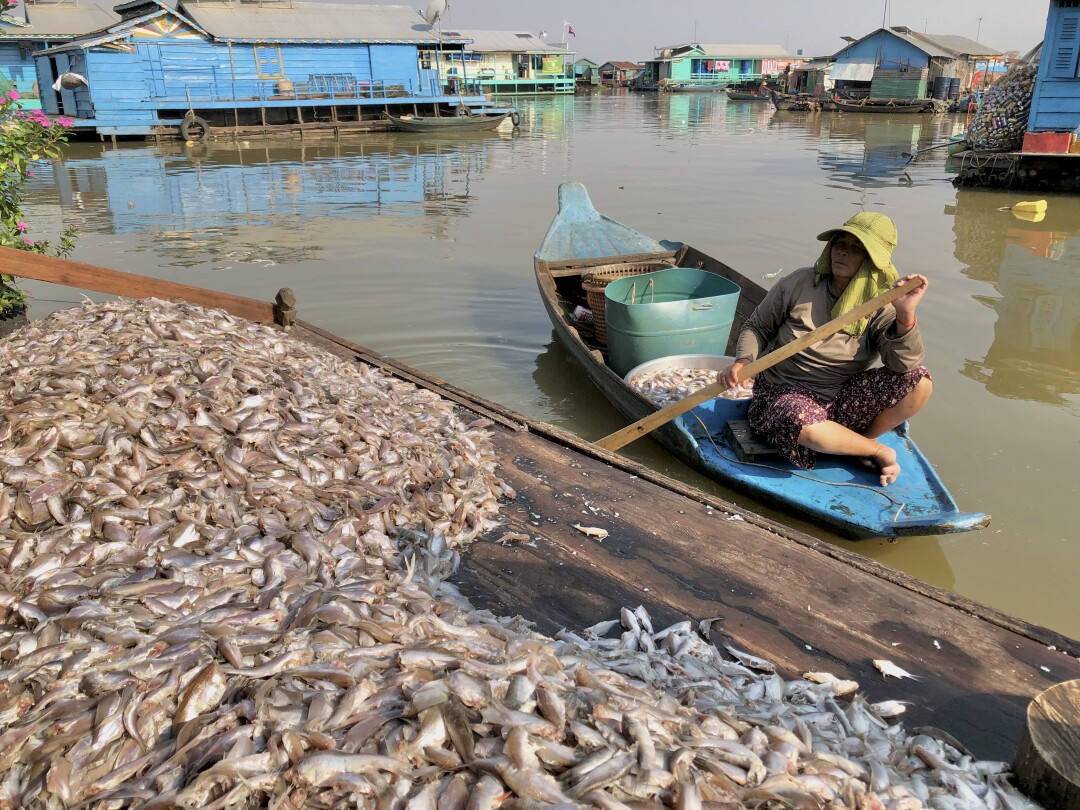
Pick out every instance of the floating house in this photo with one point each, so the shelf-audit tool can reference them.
(1050, 157)
(586, 71)
(1055, 105)
(35, 25)
(170, 65)
(618, 74)
(514, 63)
(717, 65)
(813, 77)
(897, 62)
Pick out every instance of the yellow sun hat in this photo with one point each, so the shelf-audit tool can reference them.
(877, 234)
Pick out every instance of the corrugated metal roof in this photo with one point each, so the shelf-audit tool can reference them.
(944, 46)
(506, 42)
(109, 34)
(313, 22)
(622, 65)
(731, 51)
(961, 46)
(64, 20)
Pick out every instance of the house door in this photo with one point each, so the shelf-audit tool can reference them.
(152, 71)
(68, 105)
(429, 73)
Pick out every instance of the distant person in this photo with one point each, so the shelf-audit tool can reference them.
(828, 398)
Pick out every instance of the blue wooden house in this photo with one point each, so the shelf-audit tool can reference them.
(897, 62)
(1055, 105)
(249, 66)
(34, 25)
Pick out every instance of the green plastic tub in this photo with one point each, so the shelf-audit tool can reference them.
(680, 310)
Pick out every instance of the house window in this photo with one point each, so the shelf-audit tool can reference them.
(268, 62)
(1065, 47)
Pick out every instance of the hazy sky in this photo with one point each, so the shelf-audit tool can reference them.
(630, 29)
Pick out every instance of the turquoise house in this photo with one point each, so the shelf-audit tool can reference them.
(718, 65)
(245, 66)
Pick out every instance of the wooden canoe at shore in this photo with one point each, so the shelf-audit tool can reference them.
(783, 595)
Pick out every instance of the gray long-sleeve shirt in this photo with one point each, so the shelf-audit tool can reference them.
(795, 307)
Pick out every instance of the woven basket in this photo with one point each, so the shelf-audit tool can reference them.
(595, 281)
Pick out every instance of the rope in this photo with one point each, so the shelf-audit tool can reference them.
(875, 490)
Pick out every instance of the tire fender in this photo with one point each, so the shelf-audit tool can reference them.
(515, 119)
(194, 128)
(461, 111)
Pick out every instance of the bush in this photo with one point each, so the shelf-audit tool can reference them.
(25, 137)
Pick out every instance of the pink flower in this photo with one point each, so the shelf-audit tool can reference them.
(28, 240)
(13, 95)
(31, 174)
(66, 122)
(21, 227)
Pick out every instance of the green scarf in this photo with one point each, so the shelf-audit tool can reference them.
(868, 283)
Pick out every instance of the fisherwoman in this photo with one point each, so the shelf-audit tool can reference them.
(831, 397)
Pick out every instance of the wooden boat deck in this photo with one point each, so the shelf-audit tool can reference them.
(783, 595)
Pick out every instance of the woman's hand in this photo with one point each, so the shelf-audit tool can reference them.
(730, 375)
(905, 305)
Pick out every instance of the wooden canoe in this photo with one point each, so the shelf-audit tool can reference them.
(697, 88)
(839, 494)
(887, 105)
(447, 123)
(743, 95)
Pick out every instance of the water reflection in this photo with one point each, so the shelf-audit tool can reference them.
(867, 150)
(234, 202)
(1035, 354)
(685, 113)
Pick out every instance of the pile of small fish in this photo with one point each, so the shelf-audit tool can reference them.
(224, 563)
(669, 385)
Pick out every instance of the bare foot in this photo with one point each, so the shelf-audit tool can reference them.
(885, 460)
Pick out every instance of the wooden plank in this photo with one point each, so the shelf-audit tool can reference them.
(24, 264)
(747, 448)
(785, 601)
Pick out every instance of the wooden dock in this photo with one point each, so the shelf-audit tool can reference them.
(782, 594)
(1028, 171)
(681, 553)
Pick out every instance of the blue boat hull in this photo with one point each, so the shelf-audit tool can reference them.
(839, 494)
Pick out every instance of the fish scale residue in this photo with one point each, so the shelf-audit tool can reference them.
(223, 584)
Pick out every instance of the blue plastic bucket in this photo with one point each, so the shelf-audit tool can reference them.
(680, 310)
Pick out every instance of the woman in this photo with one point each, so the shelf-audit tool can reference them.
(827, 398)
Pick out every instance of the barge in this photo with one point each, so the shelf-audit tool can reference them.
(769, 588)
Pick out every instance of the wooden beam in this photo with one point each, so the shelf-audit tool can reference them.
(24, 264)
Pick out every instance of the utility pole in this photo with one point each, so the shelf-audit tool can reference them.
(978, 29)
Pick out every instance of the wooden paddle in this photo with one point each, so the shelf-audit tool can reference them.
(623, 437)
